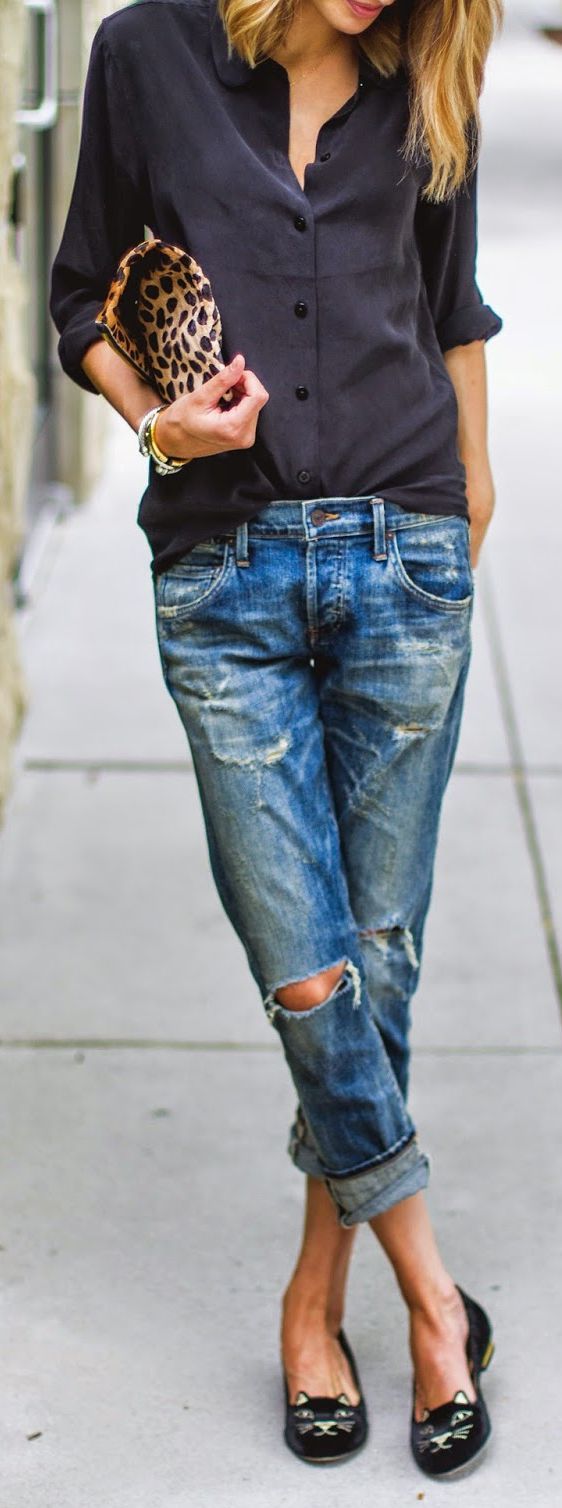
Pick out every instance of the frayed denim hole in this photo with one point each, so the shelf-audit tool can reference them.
(350, 973)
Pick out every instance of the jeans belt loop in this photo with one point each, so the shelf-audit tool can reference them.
(242, 557)
(379, 529)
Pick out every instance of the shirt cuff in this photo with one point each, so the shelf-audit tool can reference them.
(475, 322)
(80, 333)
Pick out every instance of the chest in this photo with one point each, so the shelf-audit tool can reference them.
(311, 104)
(274, 176)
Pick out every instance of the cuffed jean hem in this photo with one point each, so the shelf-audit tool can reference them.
(363, 1195)
(305, 1159)
(399, 1164)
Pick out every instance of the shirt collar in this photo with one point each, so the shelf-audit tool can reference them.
(232, 70)
(235, 71)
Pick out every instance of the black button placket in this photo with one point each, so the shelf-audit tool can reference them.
(302, 395)
(306, 394)
(301, 312)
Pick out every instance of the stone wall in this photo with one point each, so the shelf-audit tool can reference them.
(80, 417)
(17, 390)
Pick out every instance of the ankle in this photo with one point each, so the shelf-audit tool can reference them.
(300, 1301)
(436, 1305)
(334, 1320)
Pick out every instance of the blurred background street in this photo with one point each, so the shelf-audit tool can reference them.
(149, 1211)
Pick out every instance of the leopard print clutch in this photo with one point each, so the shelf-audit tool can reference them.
(159, 313)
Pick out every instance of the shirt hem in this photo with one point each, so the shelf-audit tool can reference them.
(167, 555)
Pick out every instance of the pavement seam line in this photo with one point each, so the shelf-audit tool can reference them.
(172, 1044)
(53, 766)
(519, 775)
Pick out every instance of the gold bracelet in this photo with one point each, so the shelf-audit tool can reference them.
(154, 448)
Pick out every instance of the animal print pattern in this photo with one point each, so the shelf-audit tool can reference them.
(160, 315)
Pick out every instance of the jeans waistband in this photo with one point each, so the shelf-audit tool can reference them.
(318, 518)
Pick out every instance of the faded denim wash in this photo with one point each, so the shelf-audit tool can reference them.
(318, 658)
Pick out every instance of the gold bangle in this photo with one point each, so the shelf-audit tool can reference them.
(155, 450)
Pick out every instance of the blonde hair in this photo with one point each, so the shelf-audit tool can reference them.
(443, 45)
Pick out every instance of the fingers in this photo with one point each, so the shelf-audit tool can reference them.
(254, 388)
(228, 376)
(235, 426)
(196, 424)
(234, 376)
(250, 395)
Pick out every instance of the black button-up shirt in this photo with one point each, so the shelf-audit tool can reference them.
(342, 296)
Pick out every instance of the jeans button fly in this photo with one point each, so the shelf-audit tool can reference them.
(317, 516)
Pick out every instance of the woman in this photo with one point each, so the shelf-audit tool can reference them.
(313, 569)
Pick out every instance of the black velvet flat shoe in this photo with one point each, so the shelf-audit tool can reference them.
(452, 1438)
(323, 1431)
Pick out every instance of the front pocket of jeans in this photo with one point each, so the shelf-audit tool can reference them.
(192, 581)
(432, 561)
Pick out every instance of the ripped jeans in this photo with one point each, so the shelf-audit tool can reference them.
(317, 657)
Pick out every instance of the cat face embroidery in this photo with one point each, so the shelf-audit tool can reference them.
(462, 1423)
(308, 1422)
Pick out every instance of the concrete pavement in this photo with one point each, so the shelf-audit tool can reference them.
(149, 1211)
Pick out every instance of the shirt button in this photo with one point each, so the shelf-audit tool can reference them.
(301, 392)
(325, 156)
(300, 222)
(303, 476)
(301, 309)
(317, 516)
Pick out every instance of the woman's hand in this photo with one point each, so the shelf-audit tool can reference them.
(481, 502)
(466, 366)
(194, 425)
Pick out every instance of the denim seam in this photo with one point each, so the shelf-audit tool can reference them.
(422, 521)
(294, 532)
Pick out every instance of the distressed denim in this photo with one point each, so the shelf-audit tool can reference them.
(318, 657)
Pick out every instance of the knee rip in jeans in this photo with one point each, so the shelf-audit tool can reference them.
(348, 970)
(271, 754)
(381, 937)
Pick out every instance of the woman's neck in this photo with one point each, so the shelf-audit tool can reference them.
(309, 39)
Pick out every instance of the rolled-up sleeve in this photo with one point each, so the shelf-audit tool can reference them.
(448, 241)
(106, 214)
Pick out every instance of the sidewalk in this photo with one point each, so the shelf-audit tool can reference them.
(149, 1210)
